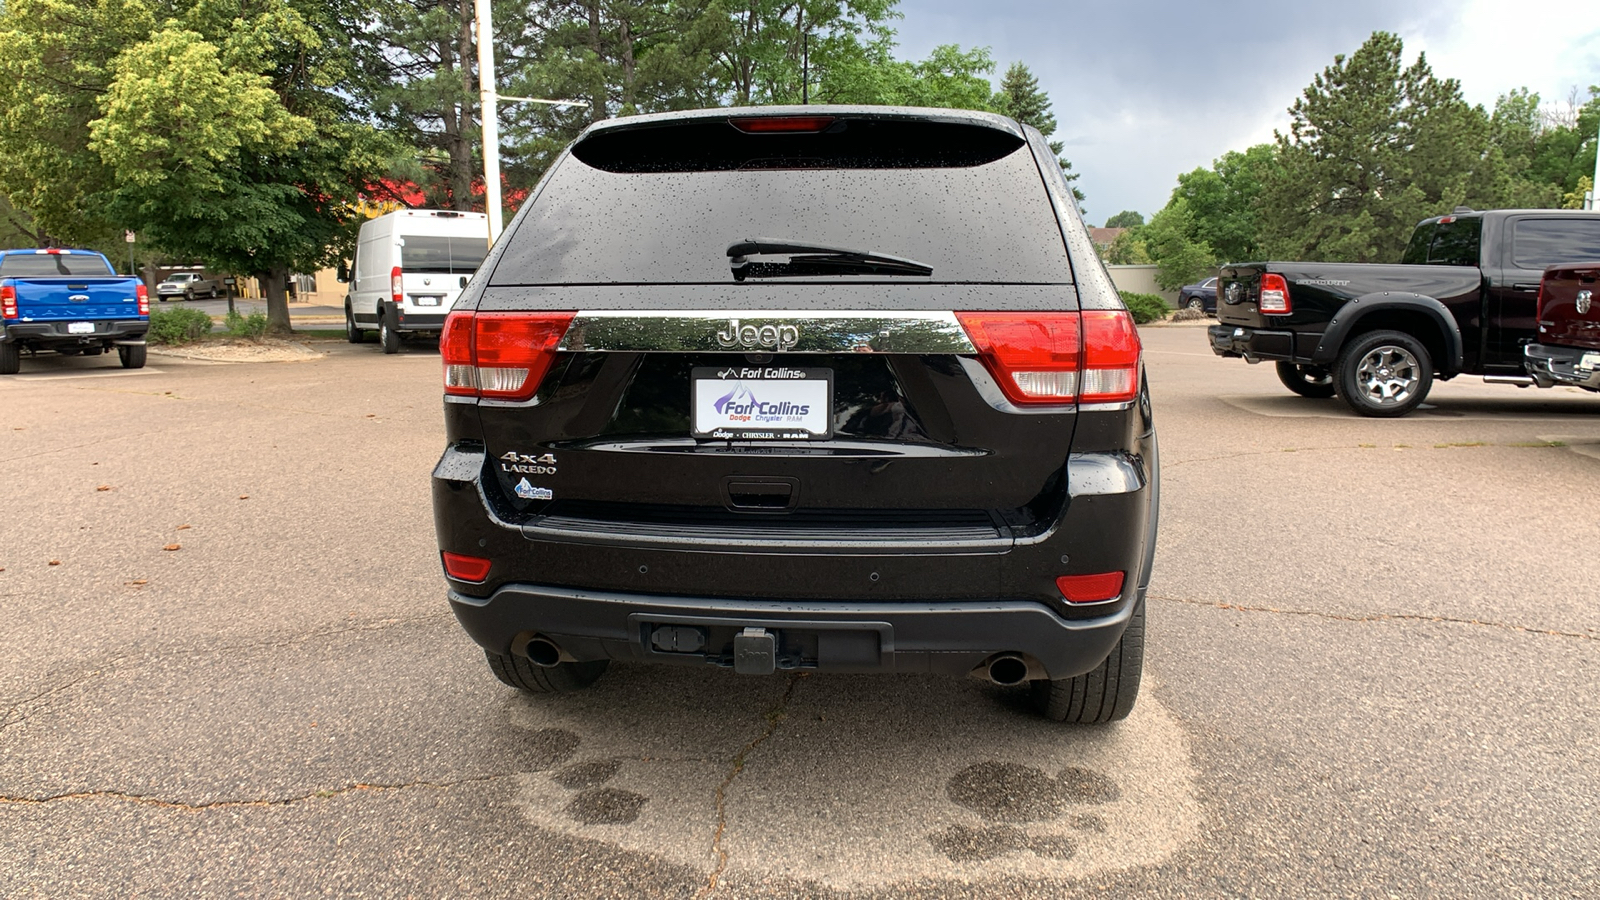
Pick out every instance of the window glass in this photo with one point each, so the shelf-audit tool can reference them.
(450, 255)
(1537, 243)
(1446, 243)
(973, 208)
(25, 265)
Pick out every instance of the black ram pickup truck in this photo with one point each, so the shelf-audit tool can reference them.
(1463, 301)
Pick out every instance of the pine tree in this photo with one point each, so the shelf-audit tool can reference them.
(1021, 98)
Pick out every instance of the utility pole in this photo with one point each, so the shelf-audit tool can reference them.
(1594, 184)
(490, 107)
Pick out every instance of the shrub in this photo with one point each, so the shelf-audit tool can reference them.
(1146, 307)
(182, 325)
(252, 326)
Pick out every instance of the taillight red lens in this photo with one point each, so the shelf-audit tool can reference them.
(501, 356)
(1095, 588)
(781, 124)
(466, 568)
(143, 293)
(397, 287)
(1058, 358)
(1110, 357)
(8, 302)
(1274, 296)
(1538, 304)
(1034, 356)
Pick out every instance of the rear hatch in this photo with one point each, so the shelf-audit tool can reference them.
(849, 329)
(67, 286)
(1569, 308)
(436, 267)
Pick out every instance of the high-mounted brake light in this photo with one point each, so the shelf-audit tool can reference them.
(466, 568)
(1058, 358)
(781, 124)
(8, 302)
(397, 285)
(1096, 588)
(1274, 296)
(142, 293)
(500, 356)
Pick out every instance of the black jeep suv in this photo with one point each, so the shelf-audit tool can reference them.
(838, 389)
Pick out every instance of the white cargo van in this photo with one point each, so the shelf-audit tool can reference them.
(408, 270)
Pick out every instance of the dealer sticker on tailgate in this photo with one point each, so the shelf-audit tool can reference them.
(749, 403)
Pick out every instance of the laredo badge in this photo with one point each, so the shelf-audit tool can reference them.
(528, 492)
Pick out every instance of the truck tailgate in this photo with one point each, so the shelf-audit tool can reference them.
(56, 299)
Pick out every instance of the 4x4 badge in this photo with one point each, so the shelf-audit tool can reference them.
(770, 337)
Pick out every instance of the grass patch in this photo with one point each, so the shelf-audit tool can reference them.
(1461, 444)
(1537, 444)
(253, 326)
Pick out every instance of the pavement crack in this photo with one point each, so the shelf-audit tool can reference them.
(1381, 617)
(262, 802)
(774, 716)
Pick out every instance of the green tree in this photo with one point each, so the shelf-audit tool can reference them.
(1179, 257)
(1125, 219)
(1021, 98)
(1223, 201)
(1129, 248)
(1373, 148)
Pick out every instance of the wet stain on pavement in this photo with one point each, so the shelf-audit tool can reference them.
(587, 774)
(1012, 793)
(605, 806)
(548, 747)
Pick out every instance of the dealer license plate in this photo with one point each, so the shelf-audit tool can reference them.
(80, 328)
(744, 402)
(1589, 361)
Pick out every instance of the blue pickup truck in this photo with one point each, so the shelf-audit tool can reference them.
(72, 302)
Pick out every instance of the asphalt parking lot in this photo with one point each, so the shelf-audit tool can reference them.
(230, 671)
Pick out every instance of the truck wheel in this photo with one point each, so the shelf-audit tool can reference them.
(1105, 694)
(351, 333)
(10, 359)
(387, 336)
(523, 675)
(1384, 374)
(1307, 381)
(132, 356)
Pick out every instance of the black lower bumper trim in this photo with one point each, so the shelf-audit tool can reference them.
(49, 334)
(1552, 365)
(947, 638)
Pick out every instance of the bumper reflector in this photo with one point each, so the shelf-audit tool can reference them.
(1090, 588)
(466, 568)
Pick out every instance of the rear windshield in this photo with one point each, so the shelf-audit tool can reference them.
(31, 265)
(1452, 243)
(662, 205)
(451, 255)
(1536, 243)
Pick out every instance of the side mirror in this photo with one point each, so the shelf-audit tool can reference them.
(343, 274)
(463, 281)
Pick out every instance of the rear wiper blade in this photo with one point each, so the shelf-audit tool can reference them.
(815, 259)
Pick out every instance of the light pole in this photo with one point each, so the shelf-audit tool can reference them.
(490, 105)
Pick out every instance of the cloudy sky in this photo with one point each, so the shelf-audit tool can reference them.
(1146, 90)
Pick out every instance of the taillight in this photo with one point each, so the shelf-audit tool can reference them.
(1095, 588)
(1274, 296)
(781, 124)
(1058, 358)
(1538, 309)
(397, 285)
(500, 356)
(143, 294)
(466, 568)
(8, 302)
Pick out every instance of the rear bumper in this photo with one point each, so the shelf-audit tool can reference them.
(942, 638)
(1552, 365)
(50, 334)
(1252, 344)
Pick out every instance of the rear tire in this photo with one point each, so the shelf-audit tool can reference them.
(10, 359)
(132, 356)
(387, 336)
(1105, 694)
(1384, 374)
(1307, 381)
(520, 673)
(351, 333)
(1196, 304)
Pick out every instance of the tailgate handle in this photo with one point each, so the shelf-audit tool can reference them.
(760, 495)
